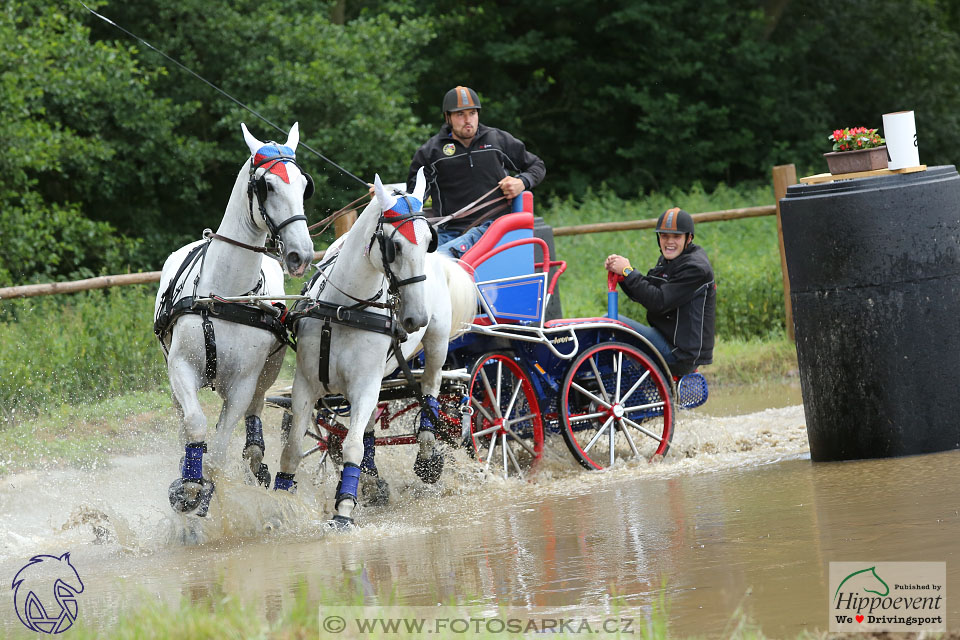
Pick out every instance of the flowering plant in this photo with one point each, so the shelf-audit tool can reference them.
(855, 138)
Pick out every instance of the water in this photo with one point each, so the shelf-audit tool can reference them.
(736, 517)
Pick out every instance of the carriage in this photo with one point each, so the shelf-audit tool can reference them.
(516, 377)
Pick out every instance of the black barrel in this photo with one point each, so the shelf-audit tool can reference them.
(874, 267)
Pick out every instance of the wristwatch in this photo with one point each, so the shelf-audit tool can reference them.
(627, 271)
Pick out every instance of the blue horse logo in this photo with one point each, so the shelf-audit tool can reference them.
(42, 577)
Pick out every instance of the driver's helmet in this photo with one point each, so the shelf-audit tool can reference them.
(675, 221)
(460, 99)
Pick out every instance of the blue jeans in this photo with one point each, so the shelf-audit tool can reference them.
(453, 244)
(662, 345)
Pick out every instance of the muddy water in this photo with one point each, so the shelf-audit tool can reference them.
(736, 517)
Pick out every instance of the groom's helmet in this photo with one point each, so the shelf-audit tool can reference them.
(675, 221)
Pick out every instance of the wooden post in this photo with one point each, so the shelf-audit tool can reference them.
(342, 224)
(784, 176)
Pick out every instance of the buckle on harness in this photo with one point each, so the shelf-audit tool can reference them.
(340, 313)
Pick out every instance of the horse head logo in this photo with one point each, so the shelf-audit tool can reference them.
(43, 581)
(868, 580)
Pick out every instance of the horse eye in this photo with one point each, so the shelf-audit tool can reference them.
(398, 247)
(270, 186)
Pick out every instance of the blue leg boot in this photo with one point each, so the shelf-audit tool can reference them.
(346, 489)
(191, 492)
(284, 482)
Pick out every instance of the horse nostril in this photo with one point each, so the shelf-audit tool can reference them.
(409, 325)
(294, 261)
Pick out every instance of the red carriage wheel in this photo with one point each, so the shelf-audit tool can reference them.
(615, 403)
(506, 430)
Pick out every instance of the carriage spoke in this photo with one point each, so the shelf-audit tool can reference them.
(641, 407)
(576, 386)
(613, 435)
(642, 429)
(518, 419)
(494, 398)
(596, 374)
(480, 434)
(636, 384)
(603, 428)
(513, 399)
(521, 442)
(626, 433)
(482, 409)
(586, 416)
(499, 387)
(493, 443)
(513, 459)
(616, 390)
(503, 444)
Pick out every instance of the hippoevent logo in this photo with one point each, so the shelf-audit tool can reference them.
(45, 593)
(888, 596)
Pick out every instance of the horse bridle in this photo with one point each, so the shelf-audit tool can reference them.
(259, 185)
(388, 251)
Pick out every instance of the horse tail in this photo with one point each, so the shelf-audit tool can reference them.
(463, 297)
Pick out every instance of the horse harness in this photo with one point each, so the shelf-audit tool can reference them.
(355, 315)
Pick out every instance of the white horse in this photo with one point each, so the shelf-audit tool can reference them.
(235, 348)
(344, 333)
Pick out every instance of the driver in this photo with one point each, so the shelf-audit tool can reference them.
(679, 294)
(464, 161)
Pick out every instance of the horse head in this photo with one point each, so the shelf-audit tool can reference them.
(276, 189)
(404, 238)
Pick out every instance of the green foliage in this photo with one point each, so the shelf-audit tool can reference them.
(69, 349)
(45, 242)
(744, 253)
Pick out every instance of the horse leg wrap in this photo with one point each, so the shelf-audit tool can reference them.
(429, 414)
(191, 468)
(284, 482)
(254, 433)
(191, 471)
(367, 463)
(347, 487)
(255, 439)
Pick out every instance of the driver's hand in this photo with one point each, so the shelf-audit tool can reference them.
(511, 187)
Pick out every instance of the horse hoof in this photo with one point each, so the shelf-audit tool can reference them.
(341, 523)
(263, 476)
(189, 497)
(429, 469)
(375, 494)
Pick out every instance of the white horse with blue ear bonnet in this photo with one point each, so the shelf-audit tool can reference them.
(236, 348)
(385, 280)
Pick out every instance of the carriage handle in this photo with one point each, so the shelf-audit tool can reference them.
(561, 267)
(613, 297)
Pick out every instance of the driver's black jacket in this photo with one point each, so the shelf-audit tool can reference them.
(458, 175)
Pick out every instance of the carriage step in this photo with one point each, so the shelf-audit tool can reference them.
(692, 391)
